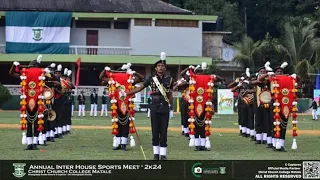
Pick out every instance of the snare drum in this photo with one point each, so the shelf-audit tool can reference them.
(248, 99)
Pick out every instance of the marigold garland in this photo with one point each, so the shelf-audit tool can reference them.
(294, 110)
(23, 102)
(131, 104)
(276, 109)
(114, 115)
(191, 106)
(41, 101)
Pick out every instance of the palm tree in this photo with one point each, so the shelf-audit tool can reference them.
(247, 50)
(299, 46)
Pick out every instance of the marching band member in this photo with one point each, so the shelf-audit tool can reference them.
(120, 82)
(201, 109)
(162, 104)
(32, 105)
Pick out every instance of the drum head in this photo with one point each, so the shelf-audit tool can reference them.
(265, 97)
(48, 94)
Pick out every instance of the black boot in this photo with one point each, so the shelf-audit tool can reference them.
(163, 158)
(198, 148)
(253, 138)
(240, 134)
(63, 133)
(155, 157)
(29, 147)
(60, 136)
(203, 148)
(258, 142)
(269, 146)
(282, 149)
(124, 147)
(52, 139)
(35, 147)
(264, 142)
(117, 148)
(56, 136)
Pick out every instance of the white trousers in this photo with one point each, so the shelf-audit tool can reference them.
(104, 108)
(314, 114)
(93, 109)
(72, 110)
(81, 109)
(149, 112)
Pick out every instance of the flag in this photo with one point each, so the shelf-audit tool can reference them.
(38, 32)
(318, 81)
(78, 71)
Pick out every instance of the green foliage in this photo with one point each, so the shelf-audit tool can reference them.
(4, 94)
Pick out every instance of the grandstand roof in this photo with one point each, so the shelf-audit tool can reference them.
(96, 6)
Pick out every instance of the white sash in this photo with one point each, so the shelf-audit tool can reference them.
(161, 88)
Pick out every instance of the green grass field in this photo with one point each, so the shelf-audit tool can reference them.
(92, 140)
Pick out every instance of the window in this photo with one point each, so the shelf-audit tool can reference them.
(120, 24)
(176, 23)
(2, 22)
(93, 24)
(208, 27)
(142, 22)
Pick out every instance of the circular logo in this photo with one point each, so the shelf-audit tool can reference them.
(32, 92)
(32, 84)
(285, 100)
(199, 99)
(200, 90)
(285, 91)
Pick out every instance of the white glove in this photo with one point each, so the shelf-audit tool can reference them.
(171, 114)
(191, 67)
(294, 76)
(47, 70)
(107, 68)
(242, 78)
(53, 65)
(16, 63)
(270, 73)
(246, 81)
(240, 84)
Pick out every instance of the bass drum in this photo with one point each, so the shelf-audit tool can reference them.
(48, 94)
(265, 97)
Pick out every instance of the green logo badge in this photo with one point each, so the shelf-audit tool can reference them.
(37, 34)
(196, 170)
(222, 170)
(19, 170)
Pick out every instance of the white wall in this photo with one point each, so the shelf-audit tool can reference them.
(2, 35)
(175, 41)
(107, 37)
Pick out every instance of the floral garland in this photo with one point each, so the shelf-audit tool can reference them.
(41, 101)
(294, 110)
(112, 95)
(23, 98)
(191, 106)
(276, 109)
(208, 109)
(131, 104)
